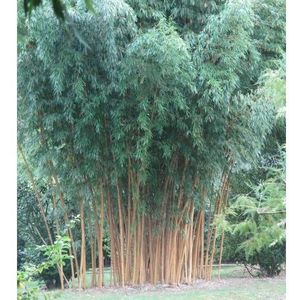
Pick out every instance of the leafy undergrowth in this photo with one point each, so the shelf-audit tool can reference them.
(234, 284)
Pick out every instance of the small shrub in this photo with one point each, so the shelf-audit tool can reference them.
(28, 286)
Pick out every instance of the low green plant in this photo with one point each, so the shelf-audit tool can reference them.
(258, 221)
(57, 253)
(29, 286)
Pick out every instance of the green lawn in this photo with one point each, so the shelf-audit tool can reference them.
(89, 278)
(227, 271)
(235, 284)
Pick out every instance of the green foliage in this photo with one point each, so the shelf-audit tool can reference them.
(29, 287)
(270, 260)
(221, 223)
(262, 183)
(259, 222)
(148, 85)
(225, 51)
(149, 90)
(58, 6)
(273, 87)
(29, 225)
(158, 77)
(270, 31)
(57, 253)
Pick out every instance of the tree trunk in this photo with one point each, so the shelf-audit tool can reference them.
(82, 280)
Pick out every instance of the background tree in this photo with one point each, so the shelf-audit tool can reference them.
(258, 198)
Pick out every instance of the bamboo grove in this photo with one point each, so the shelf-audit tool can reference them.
(135, 117)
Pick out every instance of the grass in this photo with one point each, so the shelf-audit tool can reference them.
(235, 284)
(106, 278)
(227, 271)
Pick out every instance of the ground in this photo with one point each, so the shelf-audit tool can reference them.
(234, 284)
